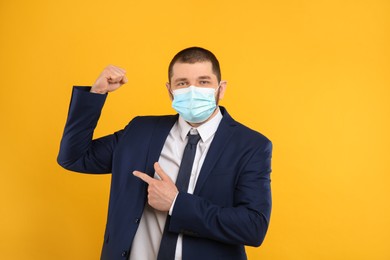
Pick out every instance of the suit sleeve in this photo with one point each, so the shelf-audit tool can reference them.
(78, 152)
(244, 223)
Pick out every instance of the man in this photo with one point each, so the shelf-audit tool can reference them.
(189, 186)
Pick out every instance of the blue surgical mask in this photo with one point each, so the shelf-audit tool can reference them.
(194, 104)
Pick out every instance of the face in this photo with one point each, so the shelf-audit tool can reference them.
(199, 74)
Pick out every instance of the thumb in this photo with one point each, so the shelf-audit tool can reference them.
(124, 80)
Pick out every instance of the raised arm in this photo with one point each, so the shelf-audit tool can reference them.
(78, 152)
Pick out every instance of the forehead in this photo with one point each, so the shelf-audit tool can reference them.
(192, 70)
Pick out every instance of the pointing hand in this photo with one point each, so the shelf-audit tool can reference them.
(161, 193)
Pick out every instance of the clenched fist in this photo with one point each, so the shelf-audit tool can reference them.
(109, 80)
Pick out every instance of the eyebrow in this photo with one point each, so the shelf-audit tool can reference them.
(180, 79)
(185, 79)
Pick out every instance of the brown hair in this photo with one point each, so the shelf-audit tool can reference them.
(193, 55)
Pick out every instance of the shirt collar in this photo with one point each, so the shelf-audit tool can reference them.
(205, 130)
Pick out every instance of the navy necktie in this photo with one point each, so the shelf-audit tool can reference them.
(169, 239)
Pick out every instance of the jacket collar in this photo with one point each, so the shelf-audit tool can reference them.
(160, 134)
(222, 137)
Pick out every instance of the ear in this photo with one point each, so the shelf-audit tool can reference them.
(222, 89)
(169, 90)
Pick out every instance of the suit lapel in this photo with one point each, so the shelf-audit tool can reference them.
(221, 139)
(160, 134)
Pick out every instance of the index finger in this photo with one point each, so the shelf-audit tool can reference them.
(146, 178)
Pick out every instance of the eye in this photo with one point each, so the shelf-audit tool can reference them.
(204, 82)
(180, 84)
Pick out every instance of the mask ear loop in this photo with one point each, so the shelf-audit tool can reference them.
(217, 89)
(217, 97)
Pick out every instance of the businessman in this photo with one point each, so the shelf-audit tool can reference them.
(195, 185)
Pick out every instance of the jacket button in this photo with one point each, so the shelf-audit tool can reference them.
(137, 220)
(124, 253)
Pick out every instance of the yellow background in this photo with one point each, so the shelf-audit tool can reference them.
(313, 76)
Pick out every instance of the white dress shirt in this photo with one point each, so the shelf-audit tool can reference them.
(147, 239)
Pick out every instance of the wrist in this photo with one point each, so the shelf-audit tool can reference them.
(98, 91)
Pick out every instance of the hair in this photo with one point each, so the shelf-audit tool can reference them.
(192, 55)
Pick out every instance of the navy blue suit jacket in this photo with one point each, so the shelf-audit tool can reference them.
(231, 204)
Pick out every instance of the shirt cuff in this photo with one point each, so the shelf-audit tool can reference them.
(173, 204)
